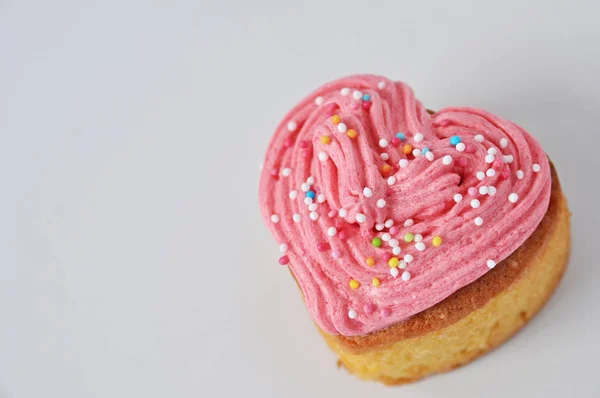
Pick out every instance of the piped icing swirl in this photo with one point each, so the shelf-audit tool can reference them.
(382, 209)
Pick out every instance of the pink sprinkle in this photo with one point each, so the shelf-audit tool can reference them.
(384, 312)
(367, 105)
(322, 246)
(342, 235)
(274, 172)
(336, 254)
(505, 173)
(304, 144)
(387, 256)
(394, 230)
(332, 213)
(284, 260)
(396, 141)
(288, 142)
(472, 191)
(354, 105)
(463, 162)
(369, 308)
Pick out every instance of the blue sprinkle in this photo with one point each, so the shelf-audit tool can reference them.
(401, 136)
(310, 194)
(454, 140)
(366, 97)
(424, 150)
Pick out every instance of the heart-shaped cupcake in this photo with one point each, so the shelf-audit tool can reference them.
(382, 209)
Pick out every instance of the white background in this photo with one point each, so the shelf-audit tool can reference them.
(134, 262)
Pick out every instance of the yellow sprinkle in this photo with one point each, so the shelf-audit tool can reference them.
(437, 241)
(394, 262)
(370, 261)
(354, 284)
(351, 133)
(376, 282)
(325, 139)
(336, 119)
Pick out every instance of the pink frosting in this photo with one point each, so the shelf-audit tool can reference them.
(425, 191)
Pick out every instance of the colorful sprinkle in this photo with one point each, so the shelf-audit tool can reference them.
(325, 139)
(376, 282)
(311, 194)
(376, 242)
(366, 97)
(437, 240)
(354, 284)
(367, 105)
(407, 149)
(336, 119)
(455, 140)
(370, 261)
(284, 260)
(401, 136)
(351, 133)
(408, 237)
(386, 168)
(394, 262)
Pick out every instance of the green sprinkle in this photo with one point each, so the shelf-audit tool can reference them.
(376, 242)
(409, 237)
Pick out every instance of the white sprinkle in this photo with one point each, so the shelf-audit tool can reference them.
(483, 190)
(460, 147)
(420, 246)
(293, 194)
(343, 212)
(520, 174)
(310, 180)
(383, 142)
(286, 172)
(491, 190)
(313, 207)
(319, 101)
(418, 238)
(492, 151)
(393, 243)
(352, 314)
(314, 215)
(429, 155)
(394, 272)
(503, 142)
(341, 127)
(447, 159)
(508, 158)
(479, 138)
(402, 264)
(391, 180)
(490, 158)
(396, 250)
(283, 247)
(408, 258)
(403, 163)
(308, 201)
(381, 203)
(305, 187)
(479, 221)
(345, 91)
(379, 226)
(457, 197)
(418, 137)
(409, 223)
(513, 197)
(275, 218)
(536, 168)
(292, 126)
(491, 263)
(490, 172)
(357, 95)
(321, 198)
(384, 156)
(416, 152)
(331, 231)
(323, 156)
(385, 237)
(381, 85)
(361, 218)
(480, 175)
(297, 217)
(405, 275)
(475, 203)
(388, 223)
(368, 192)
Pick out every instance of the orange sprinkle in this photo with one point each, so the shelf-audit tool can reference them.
(376, 282)
(351, 133)
(336, 119)
(370, 261)
(386, 168)
(407, 149)
(325, 139)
